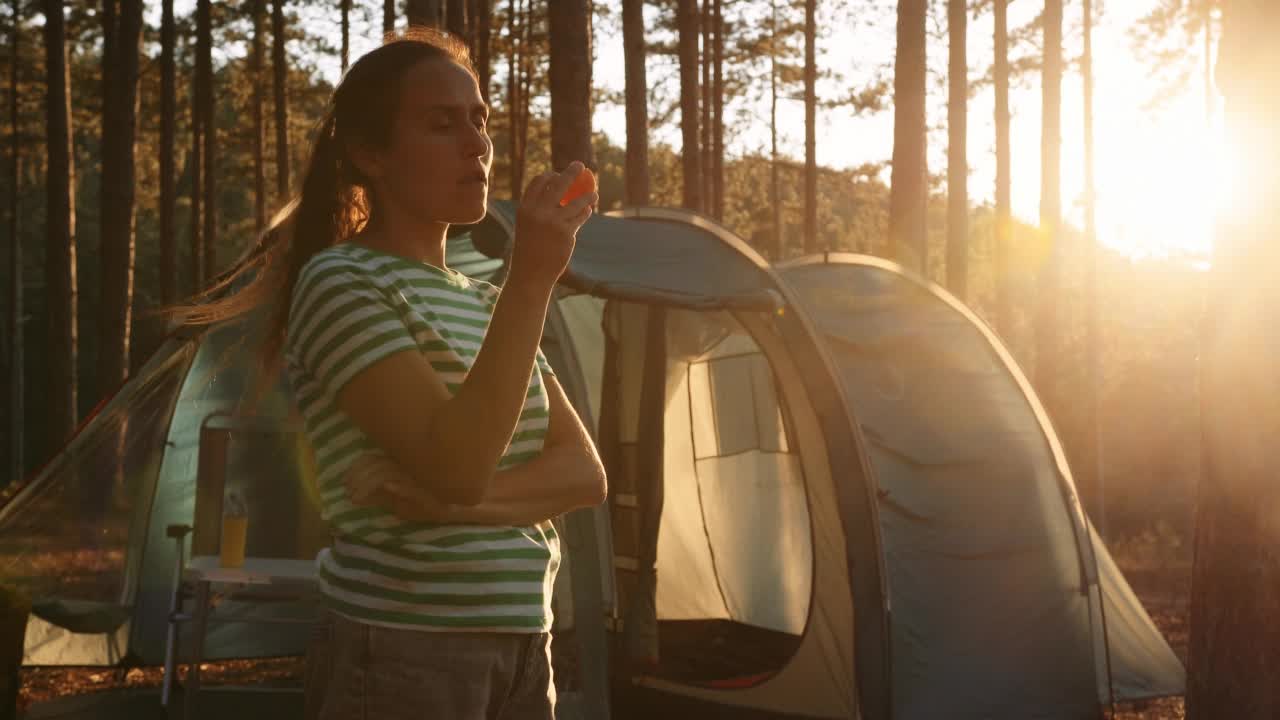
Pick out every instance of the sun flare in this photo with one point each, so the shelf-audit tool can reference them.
(1161, 200)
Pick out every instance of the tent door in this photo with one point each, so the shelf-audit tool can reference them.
(631, 440)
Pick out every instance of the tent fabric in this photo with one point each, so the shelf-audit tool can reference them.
(69, 534)
(973, 502)
(653, 255)
(1141, 663)
(82, 616)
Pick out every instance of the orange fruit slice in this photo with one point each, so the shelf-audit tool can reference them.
(581, 185)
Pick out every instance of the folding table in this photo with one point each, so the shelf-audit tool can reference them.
(263, 578)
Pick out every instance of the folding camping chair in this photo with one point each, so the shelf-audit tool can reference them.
(260, 579)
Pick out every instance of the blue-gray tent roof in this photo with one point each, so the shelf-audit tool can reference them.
(674, 257)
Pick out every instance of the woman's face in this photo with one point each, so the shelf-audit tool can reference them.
(436, 165)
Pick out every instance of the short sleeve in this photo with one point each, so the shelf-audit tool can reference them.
(543, 365)
(340, 323)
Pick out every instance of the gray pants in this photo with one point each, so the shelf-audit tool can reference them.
(364, 672)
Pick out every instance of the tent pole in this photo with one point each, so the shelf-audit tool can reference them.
(1102, 616)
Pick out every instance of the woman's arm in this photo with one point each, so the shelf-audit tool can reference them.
(449, 446)
(565, 476)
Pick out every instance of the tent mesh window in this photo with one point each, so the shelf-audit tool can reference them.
(727, 599)
(65, 535)
(743, 414)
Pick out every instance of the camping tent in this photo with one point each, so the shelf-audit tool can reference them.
(994, 572)
(832, 494)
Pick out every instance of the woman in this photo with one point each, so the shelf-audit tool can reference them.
(443, 441)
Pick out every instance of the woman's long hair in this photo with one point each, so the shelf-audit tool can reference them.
(336, 201)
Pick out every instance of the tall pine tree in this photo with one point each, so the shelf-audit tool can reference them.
(1092, 486)
(280, 75)
(344, 14)
(810, 128)
(481, 22)
(1234, 668)
(1004, 212)
(196, 166)
(456, 20)
(208, 122)
(1047, 330)
(60, 397)
(779, 245)
(258, 103)
(957, 155)
(908, 183)
(424, 12)
(717, 98)
(15, 384)
(570, 40)
(168, 150)
(636, 170)
(122, 32)
(687, 31)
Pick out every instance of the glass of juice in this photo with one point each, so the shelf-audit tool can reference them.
(235, 526)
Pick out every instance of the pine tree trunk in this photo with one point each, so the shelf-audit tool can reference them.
(717, 134)
(256, 53)
(280, 74)
(514, 51)
(637, 98)
(196, 166)
(424, 12)
(122, 32)
(1050, 206)
(168, 135)
(473, 12)
(1004, 212)
(60, 235)
(483, 21)
(1206, 17)
(908, 186)
(15, 468)
(687, 28)
(528, 58)
(456, 18)
(1091, 486)
(522, 59)
(1234, 669)
(570, 40)
(204, 69)
(704, 122)
(779, 248)
(345, 12)
(810, 129)
(957, 155)
(388, 17)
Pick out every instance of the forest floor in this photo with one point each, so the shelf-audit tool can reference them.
(1164, 591)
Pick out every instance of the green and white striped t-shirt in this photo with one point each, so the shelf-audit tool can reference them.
(353, 306)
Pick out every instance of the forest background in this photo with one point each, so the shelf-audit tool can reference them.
(1108, 313)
